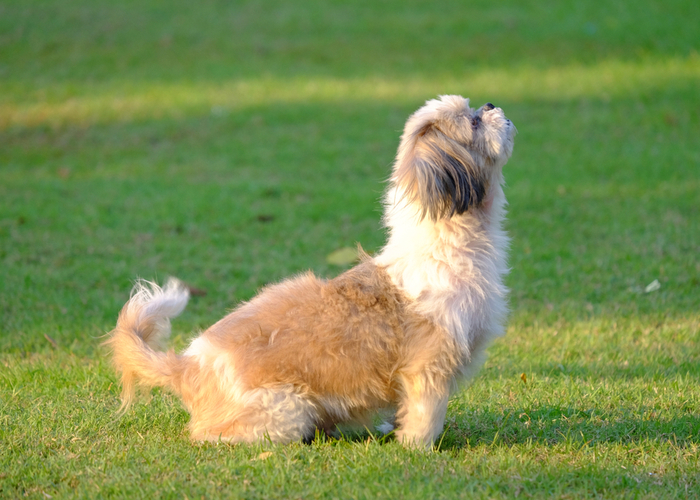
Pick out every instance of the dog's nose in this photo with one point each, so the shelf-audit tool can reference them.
(488, 106)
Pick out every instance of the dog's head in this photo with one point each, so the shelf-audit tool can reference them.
(450, 155)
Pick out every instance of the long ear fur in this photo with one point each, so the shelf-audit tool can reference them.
(439, 174)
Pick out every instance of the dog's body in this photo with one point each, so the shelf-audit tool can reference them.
(397, 331)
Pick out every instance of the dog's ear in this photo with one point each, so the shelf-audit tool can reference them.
(439, 174)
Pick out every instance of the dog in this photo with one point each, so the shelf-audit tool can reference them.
(399, 331)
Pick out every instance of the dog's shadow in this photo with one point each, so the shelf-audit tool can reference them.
(547, 425)
(350, 435)
(552, 425)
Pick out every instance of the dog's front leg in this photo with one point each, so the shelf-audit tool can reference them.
(421, 414)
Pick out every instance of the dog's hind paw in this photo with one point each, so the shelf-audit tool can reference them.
(384, 428)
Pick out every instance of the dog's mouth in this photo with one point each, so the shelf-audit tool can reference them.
(488, 109)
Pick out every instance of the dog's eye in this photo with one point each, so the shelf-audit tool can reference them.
(476, 121)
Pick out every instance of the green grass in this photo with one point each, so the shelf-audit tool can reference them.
(232, 144)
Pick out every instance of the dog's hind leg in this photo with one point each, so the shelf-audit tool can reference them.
(281, 415)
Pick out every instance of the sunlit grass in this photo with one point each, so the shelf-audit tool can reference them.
(124, 101)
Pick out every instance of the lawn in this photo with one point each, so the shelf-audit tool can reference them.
(232, 144)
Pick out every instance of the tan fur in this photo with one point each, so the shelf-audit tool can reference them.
(397, 331)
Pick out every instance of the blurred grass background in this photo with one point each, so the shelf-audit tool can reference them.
(232, 144)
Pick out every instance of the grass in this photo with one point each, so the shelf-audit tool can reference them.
(234, 144)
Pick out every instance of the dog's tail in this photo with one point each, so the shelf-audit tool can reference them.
(136, 342)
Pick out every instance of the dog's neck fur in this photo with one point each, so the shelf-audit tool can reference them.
(450, 265)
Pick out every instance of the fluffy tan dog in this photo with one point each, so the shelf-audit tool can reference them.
(397, 331)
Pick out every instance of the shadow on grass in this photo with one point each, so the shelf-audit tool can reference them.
(659, 371)
(550, 426)
(571, 427)
(651, 419)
